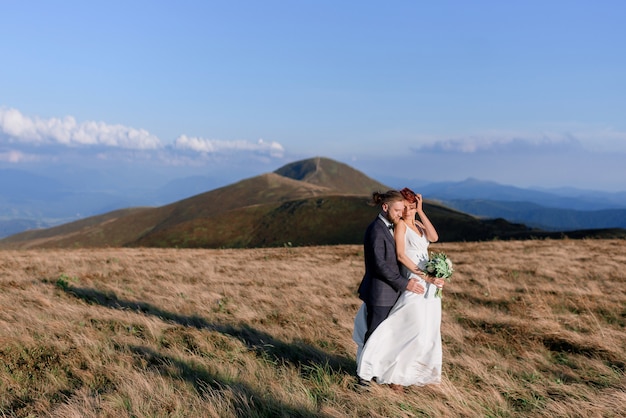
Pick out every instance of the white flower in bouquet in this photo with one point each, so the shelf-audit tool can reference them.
(440, 266)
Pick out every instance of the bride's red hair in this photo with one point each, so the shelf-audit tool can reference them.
(409, 195)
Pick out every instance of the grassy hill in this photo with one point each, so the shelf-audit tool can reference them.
(331, 174)
(533, 328)
(311, 202)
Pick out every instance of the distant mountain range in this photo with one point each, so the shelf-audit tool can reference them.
(472, 189)
(30, 200)
(557, 210)
(293, 205)
(311, 202)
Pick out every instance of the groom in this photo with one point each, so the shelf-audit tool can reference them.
(382, 283)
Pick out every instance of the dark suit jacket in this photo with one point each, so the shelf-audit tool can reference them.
(382, 283)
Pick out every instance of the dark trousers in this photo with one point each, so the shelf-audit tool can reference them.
(375, 316)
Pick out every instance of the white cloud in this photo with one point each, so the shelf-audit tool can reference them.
(588, 139)
(213, 146)
(15, 157)
(23, 132)
(15, 125)
(602, 139)
(22, 129)
(503, 142)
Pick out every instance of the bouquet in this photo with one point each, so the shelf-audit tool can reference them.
(440, 266)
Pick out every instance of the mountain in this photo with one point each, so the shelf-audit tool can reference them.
(15, 226)
(560, 210)
(575, 199)
(332, 174)
(30, 200)
(316, 201)
(311, 202)
(538, 216)
(234, 208)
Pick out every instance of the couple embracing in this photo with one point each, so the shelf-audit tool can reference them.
(397, 329)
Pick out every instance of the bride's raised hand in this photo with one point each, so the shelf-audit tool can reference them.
(439, 282)
(419, 201)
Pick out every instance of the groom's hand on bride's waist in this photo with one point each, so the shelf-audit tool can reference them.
(415, 287)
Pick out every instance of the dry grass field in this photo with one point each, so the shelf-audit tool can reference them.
(530, 328)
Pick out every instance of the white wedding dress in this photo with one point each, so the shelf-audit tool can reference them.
(405, 349)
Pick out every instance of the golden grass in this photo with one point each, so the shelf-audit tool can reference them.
(530, 328)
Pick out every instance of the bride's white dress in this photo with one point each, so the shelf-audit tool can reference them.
(405, 349)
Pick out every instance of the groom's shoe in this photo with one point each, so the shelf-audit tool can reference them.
(363, 383)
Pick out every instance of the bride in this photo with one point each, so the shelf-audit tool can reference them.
(406, 348)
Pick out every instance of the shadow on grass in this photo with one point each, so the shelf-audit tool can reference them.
(297, 353)
(246, 401)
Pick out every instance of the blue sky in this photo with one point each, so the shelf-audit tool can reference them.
(528, 93)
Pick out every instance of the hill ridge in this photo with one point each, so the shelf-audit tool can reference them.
(316, 201)
(252, 196)
(332, 174)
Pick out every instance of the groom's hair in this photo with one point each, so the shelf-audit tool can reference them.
(379, 198)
